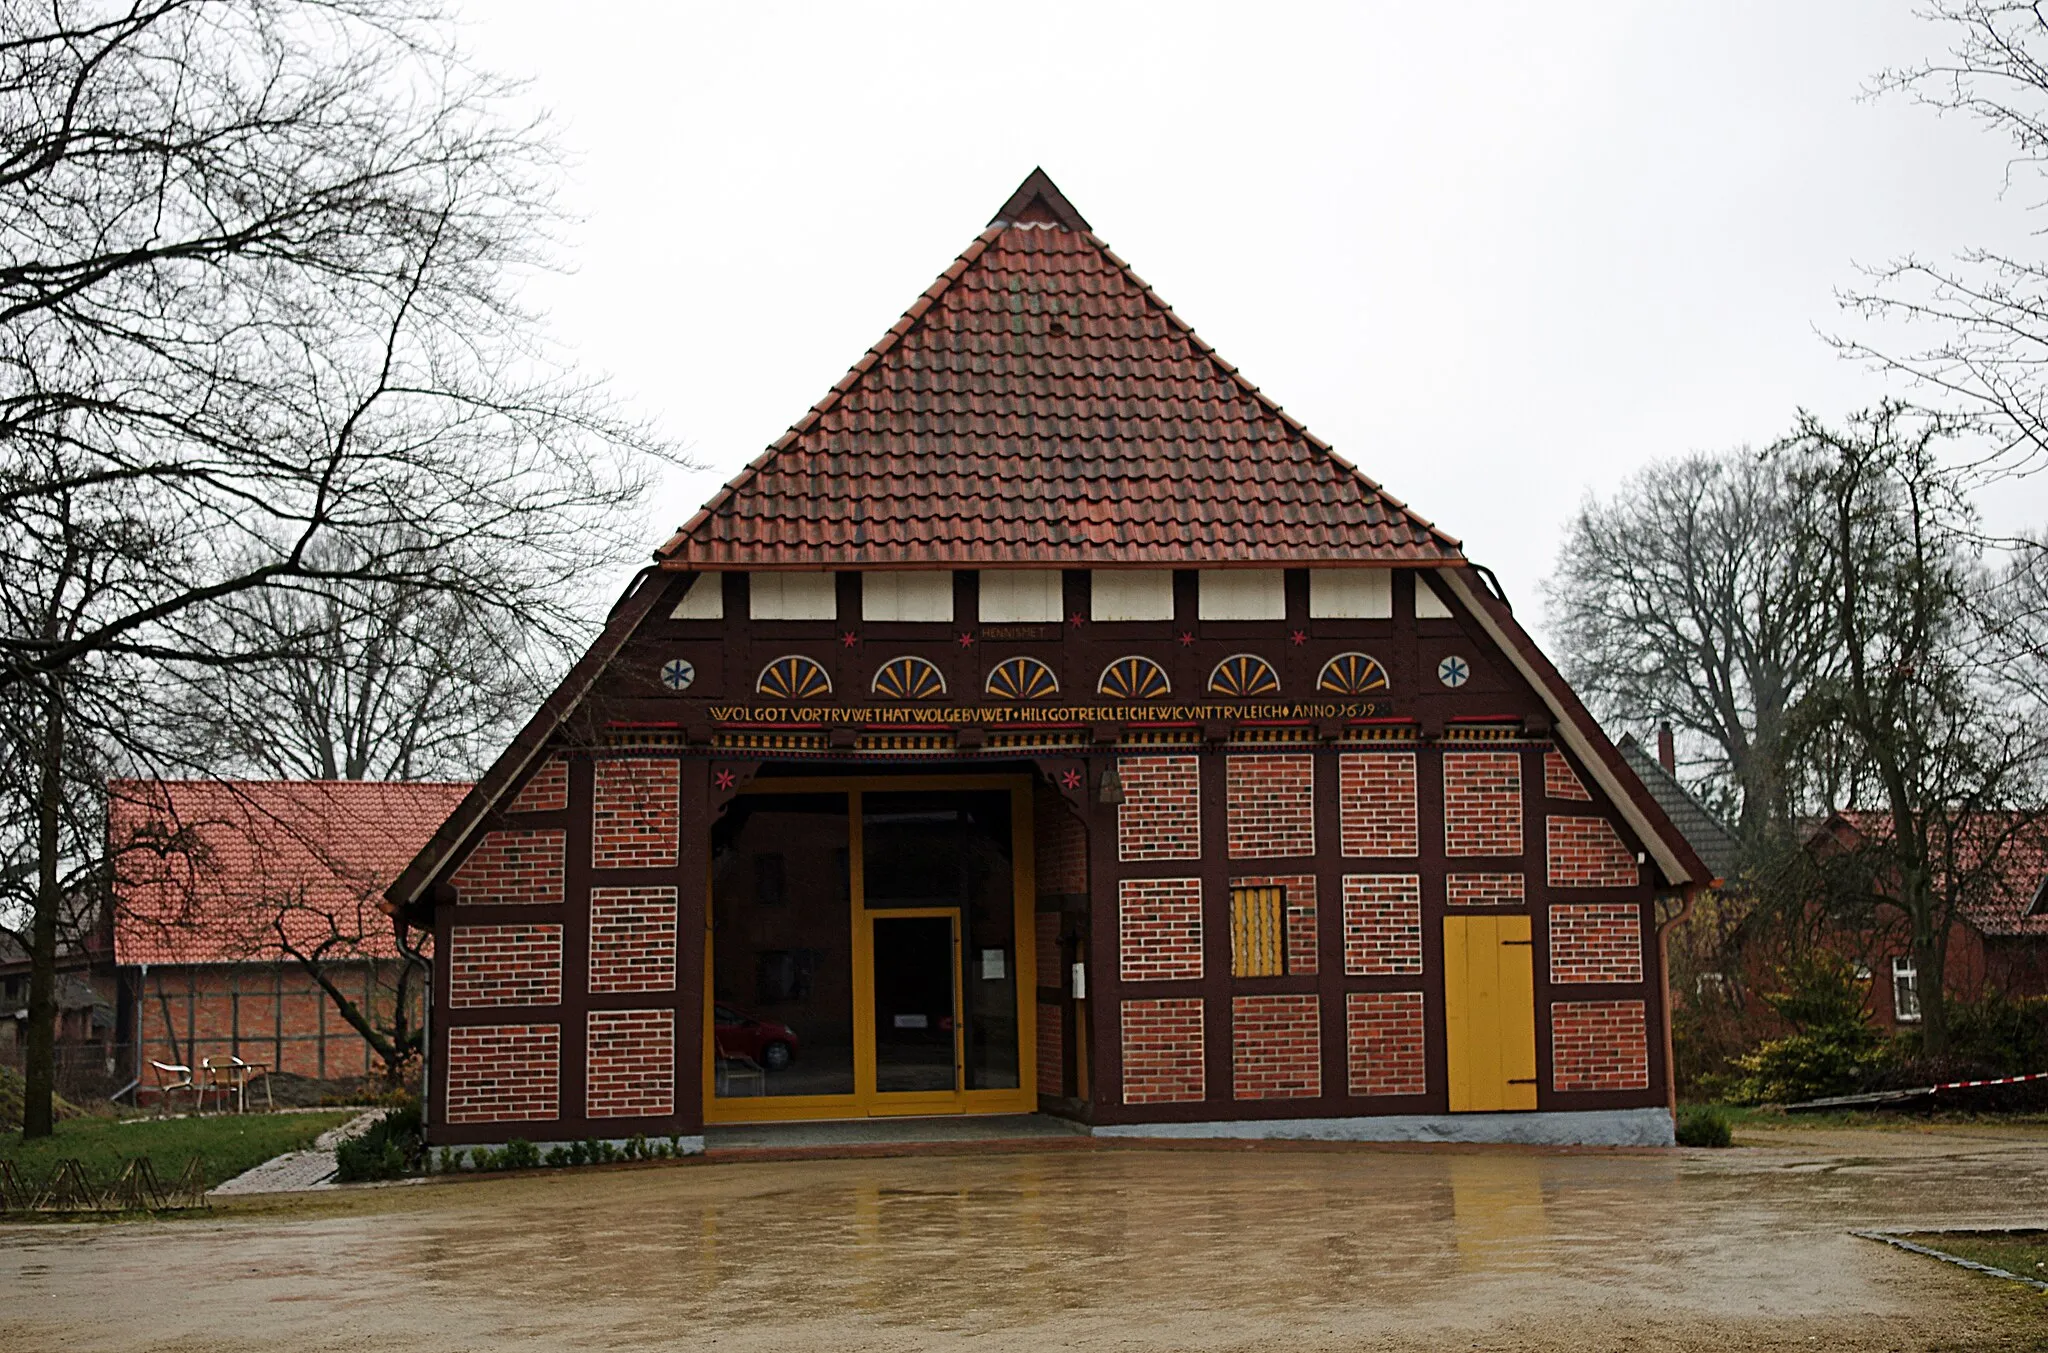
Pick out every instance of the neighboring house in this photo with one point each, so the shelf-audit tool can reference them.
(90, 1024)
(217, 881)
(1711, 839)
(1050, 722)
(1998, 943)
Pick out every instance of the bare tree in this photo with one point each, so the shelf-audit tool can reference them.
(260, 329)
(1950, 745)
(1970, 332)
(1692, 595)
(386, 680)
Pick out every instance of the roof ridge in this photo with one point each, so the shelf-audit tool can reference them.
(229, 780)
(897, 332)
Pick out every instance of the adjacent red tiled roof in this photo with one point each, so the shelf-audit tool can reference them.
(205, 868)
(2003, 903)
(1040, 405)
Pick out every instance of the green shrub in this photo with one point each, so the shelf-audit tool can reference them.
(519, 1154)
(1702, 1125)
(1834, 1059)
(392, 1148)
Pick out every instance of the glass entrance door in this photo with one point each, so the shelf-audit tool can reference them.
(917, 1003)
(869, 949)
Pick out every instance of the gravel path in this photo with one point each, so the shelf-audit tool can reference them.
(298, 1171)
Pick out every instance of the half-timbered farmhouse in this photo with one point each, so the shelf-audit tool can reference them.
(1048, 722)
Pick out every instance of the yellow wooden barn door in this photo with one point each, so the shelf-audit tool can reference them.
(1489, 1013)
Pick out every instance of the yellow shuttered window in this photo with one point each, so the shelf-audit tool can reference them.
(1258, 932)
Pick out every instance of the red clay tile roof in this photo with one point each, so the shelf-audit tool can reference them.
(2002, 902)
(1040, 405)
(206, 869)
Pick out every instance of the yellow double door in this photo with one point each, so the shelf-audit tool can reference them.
(1489, 1013)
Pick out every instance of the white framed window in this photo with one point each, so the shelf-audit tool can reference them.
(1020, 596)
(1351, 594)
(704, 601)
(925, 595)
(1905, 991)
(1243, 594)
(792, 596)
(1428, 605)
(1131, 594)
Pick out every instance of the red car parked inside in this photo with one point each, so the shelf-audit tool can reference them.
(771, 1045)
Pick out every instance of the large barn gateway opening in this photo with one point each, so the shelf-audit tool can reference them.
(869, 949)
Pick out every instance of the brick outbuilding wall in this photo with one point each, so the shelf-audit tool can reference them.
(633, 939)
(633, 815)
(632, 1064)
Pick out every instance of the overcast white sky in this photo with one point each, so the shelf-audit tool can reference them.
(1498, 254)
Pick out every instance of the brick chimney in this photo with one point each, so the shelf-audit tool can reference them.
(1667, 750)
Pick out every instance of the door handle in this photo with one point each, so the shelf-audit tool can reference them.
(1526, 944)
(1522, 1080)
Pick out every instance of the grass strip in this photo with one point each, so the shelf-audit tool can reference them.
(226, 1144)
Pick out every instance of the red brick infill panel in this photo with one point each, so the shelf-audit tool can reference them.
(1159, 929)
(1382, 924)
(632, 1064)
(1376, 804)
(1162, 1059)
(632, 939)
(1276, 1047)
(1272, 806)
(1062, 848)
(1483, 890)
(1384, 1042)
(504, 965)
(1586, 852)
(1482, 803)
(1301, 915)
(513, 866)
(547, 791)
(1052, 1069)
(1596, 942)
(1161, 815)
(1598, 1045)
(503, 1073)
(1560, 781)
(634, 814)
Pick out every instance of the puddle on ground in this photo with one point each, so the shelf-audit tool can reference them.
(1124, 1248)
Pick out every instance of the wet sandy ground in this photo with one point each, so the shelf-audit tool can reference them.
(1125, 1249)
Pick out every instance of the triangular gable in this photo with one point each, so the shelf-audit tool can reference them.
(1039, 404)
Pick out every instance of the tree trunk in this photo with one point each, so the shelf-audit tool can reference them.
(38, 1118)
(1930, 961)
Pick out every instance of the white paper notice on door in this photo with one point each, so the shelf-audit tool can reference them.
(913, 1022)
(992, 967)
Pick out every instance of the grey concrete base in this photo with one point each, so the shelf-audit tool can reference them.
(684, 1146)
(1597, 1127)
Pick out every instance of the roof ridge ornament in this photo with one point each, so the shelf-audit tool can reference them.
(1039, 202)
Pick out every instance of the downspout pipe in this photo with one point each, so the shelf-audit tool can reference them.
(1690, 895)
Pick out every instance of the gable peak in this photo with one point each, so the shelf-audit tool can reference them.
(1039, 202)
